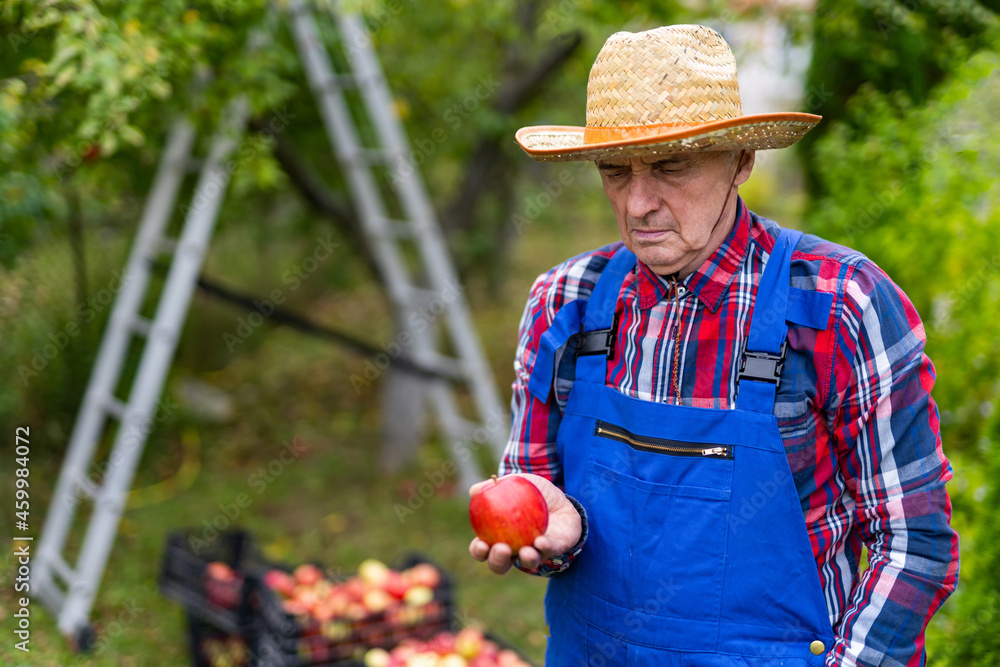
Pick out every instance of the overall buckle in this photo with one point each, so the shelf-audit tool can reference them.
(763, 366)
(601, 341)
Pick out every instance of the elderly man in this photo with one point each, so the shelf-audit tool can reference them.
(720, 413)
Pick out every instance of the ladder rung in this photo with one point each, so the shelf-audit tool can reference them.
(165, 246)
(115, 407)
(421, 295)
(469, 426)
(87, 486)
(397, 229)
(340, 81)
(141, 325)
(448, 366)
(64, 571)
(367, 156)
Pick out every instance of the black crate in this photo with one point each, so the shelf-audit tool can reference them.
(213, 647)
(283, 640)
(183, 577)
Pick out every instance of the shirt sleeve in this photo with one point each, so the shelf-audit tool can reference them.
(534, 424)
(888, 445)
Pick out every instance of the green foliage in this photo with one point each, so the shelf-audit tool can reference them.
(917, 195)
(973, 622)
(898, 47)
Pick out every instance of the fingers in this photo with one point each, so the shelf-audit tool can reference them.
(530, 558)
(500, 558)
(479, 549)
(544, 546)
(479, 486)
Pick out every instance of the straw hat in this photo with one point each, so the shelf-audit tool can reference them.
(666, 90)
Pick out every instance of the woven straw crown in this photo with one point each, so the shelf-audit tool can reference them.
(665, 90)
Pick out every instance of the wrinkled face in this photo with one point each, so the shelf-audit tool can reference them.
(674, 211)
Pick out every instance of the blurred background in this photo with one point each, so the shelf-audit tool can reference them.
(902, 168)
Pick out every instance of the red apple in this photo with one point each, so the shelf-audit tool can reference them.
(423, 574)
(511, 510)
(395, 585)
(508, 658)
(294, 607)
(222, 585)
(280, 581)
(307, 574)
(355, 588)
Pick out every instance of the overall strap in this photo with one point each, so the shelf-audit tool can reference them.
(600, 315)
(764, 351)
(594, 339)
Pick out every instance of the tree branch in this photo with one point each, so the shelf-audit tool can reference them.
(519, 92)
(318, 195)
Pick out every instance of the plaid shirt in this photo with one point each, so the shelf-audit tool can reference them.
(854, 410)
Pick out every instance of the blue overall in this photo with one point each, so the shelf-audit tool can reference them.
(671, 574)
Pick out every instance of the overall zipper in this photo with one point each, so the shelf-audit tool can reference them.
(661, 445)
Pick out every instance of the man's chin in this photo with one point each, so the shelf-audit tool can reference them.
(663, 263)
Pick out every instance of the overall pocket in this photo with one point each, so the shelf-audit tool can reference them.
(659, 526)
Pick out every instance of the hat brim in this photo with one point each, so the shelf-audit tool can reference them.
(561, 143)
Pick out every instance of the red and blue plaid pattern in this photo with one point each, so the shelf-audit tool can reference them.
(854, 409)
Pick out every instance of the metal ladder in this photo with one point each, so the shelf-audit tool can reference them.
(385, 234)
(69, 591)
(100, 404)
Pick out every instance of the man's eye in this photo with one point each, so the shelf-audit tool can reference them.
(616, 173)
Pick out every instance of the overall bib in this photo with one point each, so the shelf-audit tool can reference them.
(671, 574)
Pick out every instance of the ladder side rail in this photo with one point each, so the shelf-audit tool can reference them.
(153, 368)
(342, 135)
(378, 101)
(345, 144)
(459, 441)
(111, 355)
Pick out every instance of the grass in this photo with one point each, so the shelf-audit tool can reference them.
(331, 504)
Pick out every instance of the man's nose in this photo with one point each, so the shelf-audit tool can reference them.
(642, 197)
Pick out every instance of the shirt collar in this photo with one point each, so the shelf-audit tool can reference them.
(711, 280)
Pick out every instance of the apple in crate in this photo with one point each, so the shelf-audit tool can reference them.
(222, 585)
(510, 510)
(280, 581)
(423, 574)
(374, 573)
(468, 642)
(307, 574)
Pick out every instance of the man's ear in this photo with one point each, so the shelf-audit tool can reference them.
(746, 161)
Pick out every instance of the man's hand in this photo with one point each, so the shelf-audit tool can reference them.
(562, 534)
